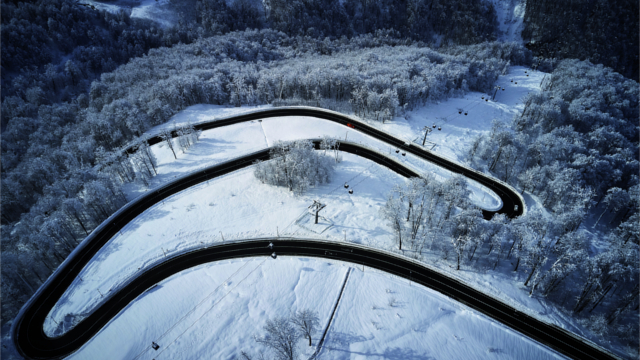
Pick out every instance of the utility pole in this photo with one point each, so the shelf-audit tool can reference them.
(427, 130)
(494, 94)
(317, 206)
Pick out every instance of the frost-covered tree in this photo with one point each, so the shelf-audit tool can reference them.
(307, 322)
(615, 199)
(464, 229)
(167, 137)
(421, 209)
(295, 165)
(330, 143)
(187, 135)
(281, 337)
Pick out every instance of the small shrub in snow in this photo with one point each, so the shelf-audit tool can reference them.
(392, 302)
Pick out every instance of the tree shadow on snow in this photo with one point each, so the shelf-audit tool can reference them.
(340, 342)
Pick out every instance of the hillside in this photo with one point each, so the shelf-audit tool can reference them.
(540, 95)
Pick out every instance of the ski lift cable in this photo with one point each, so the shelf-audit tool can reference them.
(193, 309)
(451, 116)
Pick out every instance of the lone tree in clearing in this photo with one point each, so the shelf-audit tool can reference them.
(307, 322)
(281, 337)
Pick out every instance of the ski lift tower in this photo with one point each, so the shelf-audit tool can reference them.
(316, 207)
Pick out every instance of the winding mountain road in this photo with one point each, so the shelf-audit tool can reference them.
(512, 201)
(33, 343)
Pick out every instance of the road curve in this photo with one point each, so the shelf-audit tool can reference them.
(512, 202)
(27, 329)
(32, 342)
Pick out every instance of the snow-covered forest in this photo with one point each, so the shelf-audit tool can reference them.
(79, 84)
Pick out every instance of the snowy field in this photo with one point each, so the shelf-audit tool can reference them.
(231, 207)
(238, 206)
(459, 130)
(217, 308)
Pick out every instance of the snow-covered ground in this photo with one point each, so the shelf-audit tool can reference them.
(217, 308)
(260, 209)
(459, 130)
(232, 141)
(238, 206)
(156, 10)
(234, 206)
(510, 14)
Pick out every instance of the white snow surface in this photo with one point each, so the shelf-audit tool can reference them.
(510, 14)
(237, 206)
(156, 10)
(233, 206)
(217, 308)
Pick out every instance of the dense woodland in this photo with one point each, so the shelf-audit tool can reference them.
(576, 150)
(601, 31)
(78, 85)
(575, 146)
